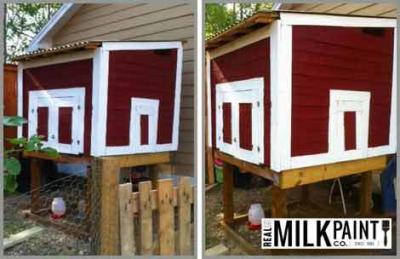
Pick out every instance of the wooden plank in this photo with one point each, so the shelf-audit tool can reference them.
(184, 210)
(238, 43)
(238, 239)
(21, 236)
(264, 172)
(210, 166)
(366, 194)
(278, 206)
(109, 220)
(166, 217)
(60, 158)
(307, 175)
(145, 218)
(126, 227)
(227, 191)
(36, 184)
(139, 159)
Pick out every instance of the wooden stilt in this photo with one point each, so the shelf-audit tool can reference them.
(153, 174)
(227, 189)
(35, 184)
(305, 193)
(210, 166)
(109, 220)
(366, 194)
(279, 207)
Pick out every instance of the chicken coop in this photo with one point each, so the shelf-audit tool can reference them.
(300, 98)
(107, 105)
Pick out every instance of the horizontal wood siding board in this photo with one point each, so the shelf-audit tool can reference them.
(137, 26)
(176, 24)
(119, 18)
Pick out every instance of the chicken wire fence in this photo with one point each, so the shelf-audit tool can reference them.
(74, 233)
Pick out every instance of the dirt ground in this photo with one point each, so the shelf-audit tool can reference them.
(318, 207)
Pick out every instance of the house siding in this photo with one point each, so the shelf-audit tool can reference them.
(145, 22)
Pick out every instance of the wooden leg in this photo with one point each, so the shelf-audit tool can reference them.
(210, 166)
(366, 194)
(227, 189)
(109, 215)
(305, 193)
(153, 174)
(279, 208)
(35, 184)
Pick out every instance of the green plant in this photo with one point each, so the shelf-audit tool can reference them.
(12, 166)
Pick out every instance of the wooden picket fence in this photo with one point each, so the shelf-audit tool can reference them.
(156, 222)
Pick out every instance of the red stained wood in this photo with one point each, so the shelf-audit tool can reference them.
(245, 124)
(248, 62)
(10, 100)
(43, 122)
(65, 125)
(340, 58)
(145, 74)
(144, 129)
(64, 75)
(227, 122)
(350, 131)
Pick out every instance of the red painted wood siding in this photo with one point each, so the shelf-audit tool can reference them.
(64, 75)
(248, 62)
(350, 131)
(341, 58)
(144, 74)
(10, 101)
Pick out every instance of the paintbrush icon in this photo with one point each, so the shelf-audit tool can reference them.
(385, 228)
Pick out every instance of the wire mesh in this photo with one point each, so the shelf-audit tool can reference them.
(71, 234)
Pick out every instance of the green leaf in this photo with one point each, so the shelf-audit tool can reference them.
(50, 151)
(10, 183)
(17, 141)
(12, 166)
(13, 121)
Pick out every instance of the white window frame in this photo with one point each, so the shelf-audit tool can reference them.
(54, 99)
(242, 91)
(100, 98)
(281, 89)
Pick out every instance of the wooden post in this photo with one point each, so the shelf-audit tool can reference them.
(366, 194)
(184, 212)
(227, 189)
(305, 193)
(145, 219)
(166, 217)
(210, 166)
(109, 219)
(279, 207)
(126, 219)
(36, 176)
(153, 174)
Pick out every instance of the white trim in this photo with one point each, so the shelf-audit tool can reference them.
(20, 95)
(109, 46)
(281, 95)
(58, 59)
(61, 17)
(335, 20)
(209, 111)
(100, 96)
(99, 102)
(54, 99)
(243, 91)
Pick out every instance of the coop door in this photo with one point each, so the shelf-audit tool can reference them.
(348, 123)
(240, 119)
(144, 124)
(58, 115)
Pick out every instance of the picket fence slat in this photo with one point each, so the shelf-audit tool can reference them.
(126, 219)
(166, 217)
(145, 219)
(184, 235)
(167, 239)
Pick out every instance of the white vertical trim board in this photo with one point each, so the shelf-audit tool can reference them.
(54, 99)
(281, 95)
(243, 91)
(100, 98)
(209, 110)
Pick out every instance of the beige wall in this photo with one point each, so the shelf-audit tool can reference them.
(136, 22)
